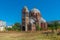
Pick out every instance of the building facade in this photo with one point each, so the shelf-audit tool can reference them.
(2, 25)
(32, 18)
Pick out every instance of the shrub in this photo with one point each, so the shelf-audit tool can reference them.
(16, 27)
(9, 29)
(38, 27)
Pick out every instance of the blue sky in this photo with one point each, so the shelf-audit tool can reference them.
(10, 10)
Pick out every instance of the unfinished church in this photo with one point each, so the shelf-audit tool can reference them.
(32, 18)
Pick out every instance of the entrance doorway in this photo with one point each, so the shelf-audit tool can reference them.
(23, 28)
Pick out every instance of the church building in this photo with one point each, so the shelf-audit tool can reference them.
(32, 18)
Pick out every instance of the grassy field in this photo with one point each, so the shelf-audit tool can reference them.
(27, 36)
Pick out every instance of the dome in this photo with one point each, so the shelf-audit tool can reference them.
(35, 10)
(25, 7)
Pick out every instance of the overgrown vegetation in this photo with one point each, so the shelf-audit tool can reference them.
(38, 28)
(54, 26)
(15, 27)
(9, 29)
(27, 36)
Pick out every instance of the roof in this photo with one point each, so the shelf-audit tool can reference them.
(32, 20)
(42, 20)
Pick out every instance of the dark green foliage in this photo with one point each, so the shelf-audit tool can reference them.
(9, 29)
(56, 25)
(16, 26)
(53, 26)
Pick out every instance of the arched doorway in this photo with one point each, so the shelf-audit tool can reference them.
(23, 28)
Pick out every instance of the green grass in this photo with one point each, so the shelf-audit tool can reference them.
(27, 36)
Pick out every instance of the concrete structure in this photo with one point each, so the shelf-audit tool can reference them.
(32, 18)
(2, 25)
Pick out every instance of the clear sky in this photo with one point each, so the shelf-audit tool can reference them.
(10, 10)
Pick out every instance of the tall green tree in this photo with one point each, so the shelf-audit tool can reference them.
(56, 24)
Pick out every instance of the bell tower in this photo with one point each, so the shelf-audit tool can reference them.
(25, 18)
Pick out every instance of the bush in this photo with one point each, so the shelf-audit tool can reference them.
(16, 27)
(38, 27)
(9, 29)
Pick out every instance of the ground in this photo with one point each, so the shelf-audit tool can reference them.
(27, 36)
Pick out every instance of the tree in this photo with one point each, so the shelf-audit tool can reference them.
(16, 26)
(56, 24)
(9, 29)
(52, 28)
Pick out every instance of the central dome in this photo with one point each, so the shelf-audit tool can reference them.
(35, 10)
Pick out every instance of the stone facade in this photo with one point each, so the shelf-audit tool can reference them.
(31, 18)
